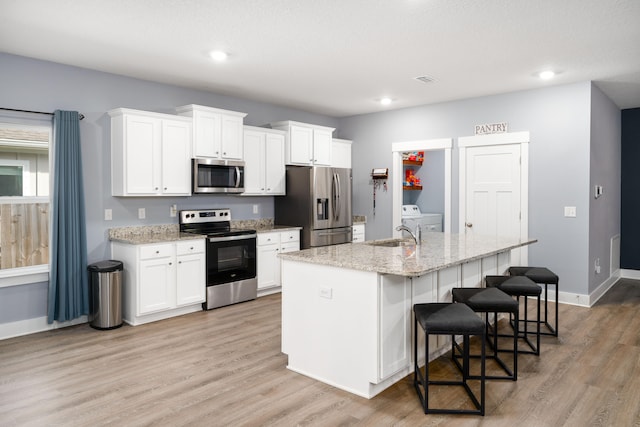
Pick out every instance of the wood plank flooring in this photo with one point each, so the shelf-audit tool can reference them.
(224, 368)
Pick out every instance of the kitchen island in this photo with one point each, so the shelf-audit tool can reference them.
(347, 309)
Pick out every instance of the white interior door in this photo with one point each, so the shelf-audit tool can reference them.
(494, 185)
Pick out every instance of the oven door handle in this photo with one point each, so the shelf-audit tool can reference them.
(230, 238)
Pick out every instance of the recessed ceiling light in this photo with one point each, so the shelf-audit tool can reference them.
(218, 55)
(385, 101)
(546, 75)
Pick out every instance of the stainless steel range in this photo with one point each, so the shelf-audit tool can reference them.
(231, 256)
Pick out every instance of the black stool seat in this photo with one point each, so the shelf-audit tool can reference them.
(515, 285)
(541, 275)
(492, 300)
(448, 319)
(521, 286)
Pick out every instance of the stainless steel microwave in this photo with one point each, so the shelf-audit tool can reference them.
(217, 176)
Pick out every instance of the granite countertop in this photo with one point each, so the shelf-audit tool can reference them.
(437, 251)
(150, 234)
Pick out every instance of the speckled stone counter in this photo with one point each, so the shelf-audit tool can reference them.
(264, 225)
(359, 219)
(150, 234)
(437, 251)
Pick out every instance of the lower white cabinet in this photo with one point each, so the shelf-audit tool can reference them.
(269, 245)
(357, 233)
(161, 280)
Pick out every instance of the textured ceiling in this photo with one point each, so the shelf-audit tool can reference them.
(338, 57)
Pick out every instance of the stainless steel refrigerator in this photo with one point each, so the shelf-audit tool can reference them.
(318, 199)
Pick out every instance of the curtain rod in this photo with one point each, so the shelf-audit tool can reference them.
(33, 112)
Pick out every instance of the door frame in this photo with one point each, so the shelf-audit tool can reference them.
(522, 138)
(397, 149)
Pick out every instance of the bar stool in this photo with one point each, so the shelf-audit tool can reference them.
(492, 300)
(546, 277)
(448, 319)
(521, 286)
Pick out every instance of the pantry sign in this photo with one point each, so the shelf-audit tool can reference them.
(490, 128)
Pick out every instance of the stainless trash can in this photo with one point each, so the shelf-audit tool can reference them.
(105, 308)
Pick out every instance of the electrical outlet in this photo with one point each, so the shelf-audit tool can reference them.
(108, 215)
(173, 211)
(256, 209)
(142, 213)
(597, 266)
(326, 293)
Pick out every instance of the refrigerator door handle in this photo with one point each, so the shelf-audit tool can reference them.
(336, 197)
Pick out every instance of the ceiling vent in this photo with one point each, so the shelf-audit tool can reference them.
(424, 79)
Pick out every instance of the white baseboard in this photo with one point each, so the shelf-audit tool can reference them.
(629, 274)
(35, 325)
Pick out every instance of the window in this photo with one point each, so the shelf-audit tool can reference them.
(24, 195)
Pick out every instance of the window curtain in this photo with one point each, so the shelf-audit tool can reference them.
(68, 281)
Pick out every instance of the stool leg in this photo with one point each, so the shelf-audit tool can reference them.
(482, 375)
(515, 345)
(538, 330)
(556, 331)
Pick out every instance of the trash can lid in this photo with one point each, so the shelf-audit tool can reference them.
(105, 266)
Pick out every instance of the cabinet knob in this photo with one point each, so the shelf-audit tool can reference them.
(262, 189)
(157, 252)
(191, 248)
(170, 263)
(179, 262)
(165, 188)
(224, 153)
(156, 188)
(268, 189)
(217, 152)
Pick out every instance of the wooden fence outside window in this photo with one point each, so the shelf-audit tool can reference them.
(24, 234)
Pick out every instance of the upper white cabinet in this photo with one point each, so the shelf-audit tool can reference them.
(216, 133)
(306, 144)
(341, 153)
(264, 172)
(150, 154)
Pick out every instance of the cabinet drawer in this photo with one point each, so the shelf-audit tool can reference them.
(290, 236)
(289, 247)
(268, 238)
(190, 247)
(156, 251)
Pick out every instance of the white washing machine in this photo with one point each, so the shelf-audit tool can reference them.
(411, 216)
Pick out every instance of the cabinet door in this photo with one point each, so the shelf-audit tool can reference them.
(176, 157)
(322, 147)
(268, 265)
(274, 164)
(231, 137)
(357, 233)
(190, 279)
(207, 134)
(254, 163)
(394, 324)
(156, 290)
(341, 154)
(300, 145)
(142, 155)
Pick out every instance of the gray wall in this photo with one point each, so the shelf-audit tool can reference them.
(605, 170)
(44, 86)
(558, 119)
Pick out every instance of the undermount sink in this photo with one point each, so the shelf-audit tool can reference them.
(392, 243)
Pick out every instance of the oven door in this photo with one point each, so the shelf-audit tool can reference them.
(230, 259)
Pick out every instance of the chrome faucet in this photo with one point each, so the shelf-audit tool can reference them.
(417, 236)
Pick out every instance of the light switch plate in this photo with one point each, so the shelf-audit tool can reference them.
(142, 214)
(570, 211)
(108, 214)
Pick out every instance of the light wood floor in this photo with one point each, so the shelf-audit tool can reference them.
(224, 368)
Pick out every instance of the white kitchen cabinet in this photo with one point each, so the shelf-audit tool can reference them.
(341, 153)
(306, 144)
(191, 272)
(394, 327)
(150, 154)
(217, 133)
(161, 280)
(268, 246)
(357, 233)
(264, 172)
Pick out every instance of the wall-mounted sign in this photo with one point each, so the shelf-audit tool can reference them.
(491, 128)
